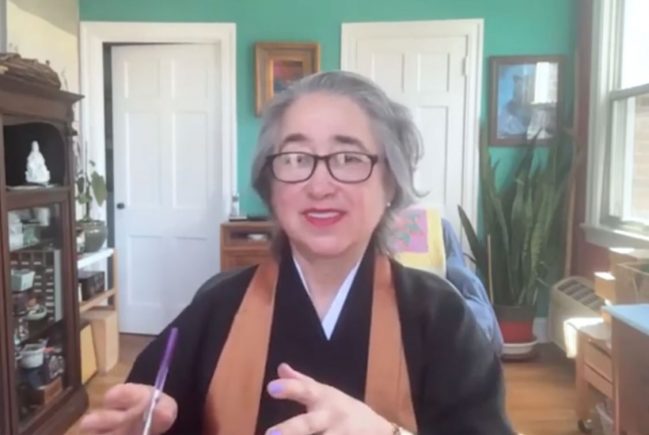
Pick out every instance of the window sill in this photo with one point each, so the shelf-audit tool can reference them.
(608, 237)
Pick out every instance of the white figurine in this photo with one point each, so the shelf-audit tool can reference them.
(37, 171)
(16, 237)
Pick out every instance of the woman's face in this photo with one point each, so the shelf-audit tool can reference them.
(322, 216)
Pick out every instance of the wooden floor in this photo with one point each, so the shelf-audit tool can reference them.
(129, 347)
(540, 393)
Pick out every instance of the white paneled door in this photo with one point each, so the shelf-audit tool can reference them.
(167, 185)
(433, 69)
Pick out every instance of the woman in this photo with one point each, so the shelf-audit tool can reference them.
(332, 336)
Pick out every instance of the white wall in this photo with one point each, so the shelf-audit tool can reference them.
(3, 26)
(46, 30)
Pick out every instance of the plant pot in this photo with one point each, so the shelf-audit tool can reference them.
(516, 323)
(519, 351)
(95, 234)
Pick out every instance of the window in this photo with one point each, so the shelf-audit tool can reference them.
(618, 212)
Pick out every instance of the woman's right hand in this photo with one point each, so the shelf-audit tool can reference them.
(123, 412)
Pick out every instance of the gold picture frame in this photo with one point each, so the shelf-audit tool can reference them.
(278, 64)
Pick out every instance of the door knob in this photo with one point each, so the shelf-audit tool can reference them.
(121, 206)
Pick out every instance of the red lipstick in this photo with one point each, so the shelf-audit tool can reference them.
(323, 217)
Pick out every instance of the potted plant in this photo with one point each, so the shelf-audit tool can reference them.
(522, 238)
(90, 186)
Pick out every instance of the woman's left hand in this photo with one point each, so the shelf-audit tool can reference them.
(329, 411)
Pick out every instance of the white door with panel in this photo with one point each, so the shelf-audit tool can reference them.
(167, 184)
(433, 68)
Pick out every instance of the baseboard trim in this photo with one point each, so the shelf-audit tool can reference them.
(540, 328)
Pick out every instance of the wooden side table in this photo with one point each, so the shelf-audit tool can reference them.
(109, 295)
(245, 243)
(630, 342)
(594, 370)
(101, 311)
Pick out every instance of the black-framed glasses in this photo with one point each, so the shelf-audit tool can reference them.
(344, 166)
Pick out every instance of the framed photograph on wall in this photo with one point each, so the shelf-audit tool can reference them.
(278, 64)
(525, 99)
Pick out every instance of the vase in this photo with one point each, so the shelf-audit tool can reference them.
(517, 326)
(95, 234)
(516, 322)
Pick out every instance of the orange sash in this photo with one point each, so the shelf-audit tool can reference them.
(233, 398)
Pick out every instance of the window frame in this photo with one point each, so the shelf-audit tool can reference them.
(601, 226)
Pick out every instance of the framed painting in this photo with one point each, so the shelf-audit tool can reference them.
(525, 99)
(278, 64)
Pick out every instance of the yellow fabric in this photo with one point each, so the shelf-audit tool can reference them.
(418, 240)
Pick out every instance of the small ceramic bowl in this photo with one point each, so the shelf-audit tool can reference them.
(22, 279)
(38, 312)
(32, 356)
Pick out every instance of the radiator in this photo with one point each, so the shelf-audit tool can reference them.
(573, 304)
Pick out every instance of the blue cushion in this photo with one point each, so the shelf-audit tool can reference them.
(470, 286)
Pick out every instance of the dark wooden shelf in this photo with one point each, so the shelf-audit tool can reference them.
(57, 416)
(24, 100)
(31, 112)
(17, 199)
(40, 245)
(39, 411)
(41, 331)
(238, 250)
(26, 87)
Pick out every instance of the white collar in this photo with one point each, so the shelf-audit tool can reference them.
(333, 313)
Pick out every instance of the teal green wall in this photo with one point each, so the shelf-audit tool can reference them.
(511, 27)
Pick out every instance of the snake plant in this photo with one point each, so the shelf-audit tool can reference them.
(522, 224)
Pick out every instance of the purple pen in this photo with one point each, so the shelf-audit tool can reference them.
(160, 379)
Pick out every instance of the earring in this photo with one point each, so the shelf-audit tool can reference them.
(388, 204)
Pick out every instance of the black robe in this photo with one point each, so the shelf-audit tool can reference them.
(456, 378)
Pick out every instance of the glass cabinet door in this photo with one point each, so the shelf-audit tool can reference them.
(37, 276)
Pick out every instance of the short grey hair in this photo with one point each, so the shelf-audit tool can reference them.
(392, 126)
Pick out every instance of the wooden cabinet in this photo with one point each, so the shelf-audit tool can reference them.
(594, 369)
(630, 340)
(245, 243)
(40, 380)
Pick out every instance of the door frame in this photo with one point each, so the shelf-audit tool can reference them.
(473, 30)
(93, 35)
